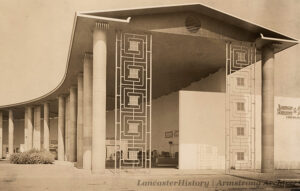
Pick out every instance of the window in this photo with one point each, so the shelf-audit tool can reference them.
(240, 131)
(240, 106)
(240, 81)
(240, 156)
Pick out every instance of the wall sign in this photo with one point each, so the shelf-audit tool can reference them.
(290, 112)
(168, 134)
(176, 133)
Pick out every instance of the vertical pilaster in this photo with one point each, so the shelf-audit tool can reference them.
(37, 128)
(267, 109)
(79, 120)
(67, 115)
(99, 97)
(87, 110)
(46, 127)
(10, 132)
(72, 124)
(1, 135)
(29, 127)
(25, 130)
(61, 128)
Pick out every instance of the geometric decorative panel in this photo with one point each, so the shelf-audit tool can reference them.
(240, 106)
(133, 100)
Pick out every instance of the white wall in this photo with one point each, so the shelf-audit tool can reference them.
(202, 130)
(287, 134)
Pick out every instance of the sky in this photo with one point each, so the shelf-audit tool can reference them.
(35, 37)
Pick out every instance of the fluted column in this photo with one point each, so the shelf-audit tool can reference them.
(87, 110)
(29, 128)
(10, 132)
(72, 124)
(99, 97)
(46, 127)
(267, 109)
(37, 128)
(1, 135)
(61, 128)
(79, 119)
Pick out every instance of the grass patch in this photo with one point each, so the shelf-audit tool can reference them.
(33, 156)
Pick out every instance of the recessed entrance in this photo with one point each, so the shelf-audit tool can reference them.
(179, 63)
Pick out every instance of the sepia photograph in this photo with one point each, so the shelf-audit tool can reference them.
(149, 95)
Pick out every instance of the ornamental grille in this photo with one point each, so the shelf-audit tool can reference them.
(133, 100)
(240, 106)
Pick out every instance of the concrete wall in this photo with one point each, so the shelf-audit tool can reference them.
(214, 82)
(53, 130)
(287, 133)
(202, 130)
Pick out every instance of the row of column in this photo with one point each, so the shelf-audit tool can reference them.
(86, 110)
(81, 114)
(32, 129)
(67, 133)
(10, 133)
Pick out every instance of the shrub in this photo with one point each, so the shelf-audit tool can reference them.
(32, 157)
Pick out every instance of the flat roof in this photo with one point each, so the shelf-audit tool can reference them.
(119, 15)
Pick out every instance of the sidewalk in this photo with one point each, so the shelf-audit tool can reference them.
(279, 178)
(63, 176)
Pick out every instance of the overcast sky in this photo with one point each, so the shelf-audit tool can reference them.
(35, 37)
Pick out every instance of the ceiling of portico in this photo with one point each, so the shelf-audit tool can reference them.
(178, 60)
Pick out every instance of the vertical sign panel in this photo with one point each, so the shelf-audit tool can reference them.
(240, 106)
(133, 100)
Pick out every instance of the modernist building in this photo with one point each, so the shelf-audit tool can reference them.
(184, 85)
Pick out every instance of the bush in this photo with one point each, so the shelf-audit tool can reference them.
(32, 157)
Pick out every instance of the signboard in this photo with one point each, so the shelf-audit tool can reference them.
(168, 134)
(290, 112)
(176, 133)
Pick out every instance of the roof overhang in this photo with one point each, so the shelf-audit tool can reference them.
(265, 36)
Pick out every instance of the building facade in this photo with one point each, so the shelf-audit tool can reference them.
(185, 86)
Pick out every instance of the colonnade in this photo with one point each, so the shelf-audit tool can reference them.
(81, 114)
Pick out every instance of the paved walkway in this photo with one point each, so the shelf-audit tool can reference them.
(65, 177)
